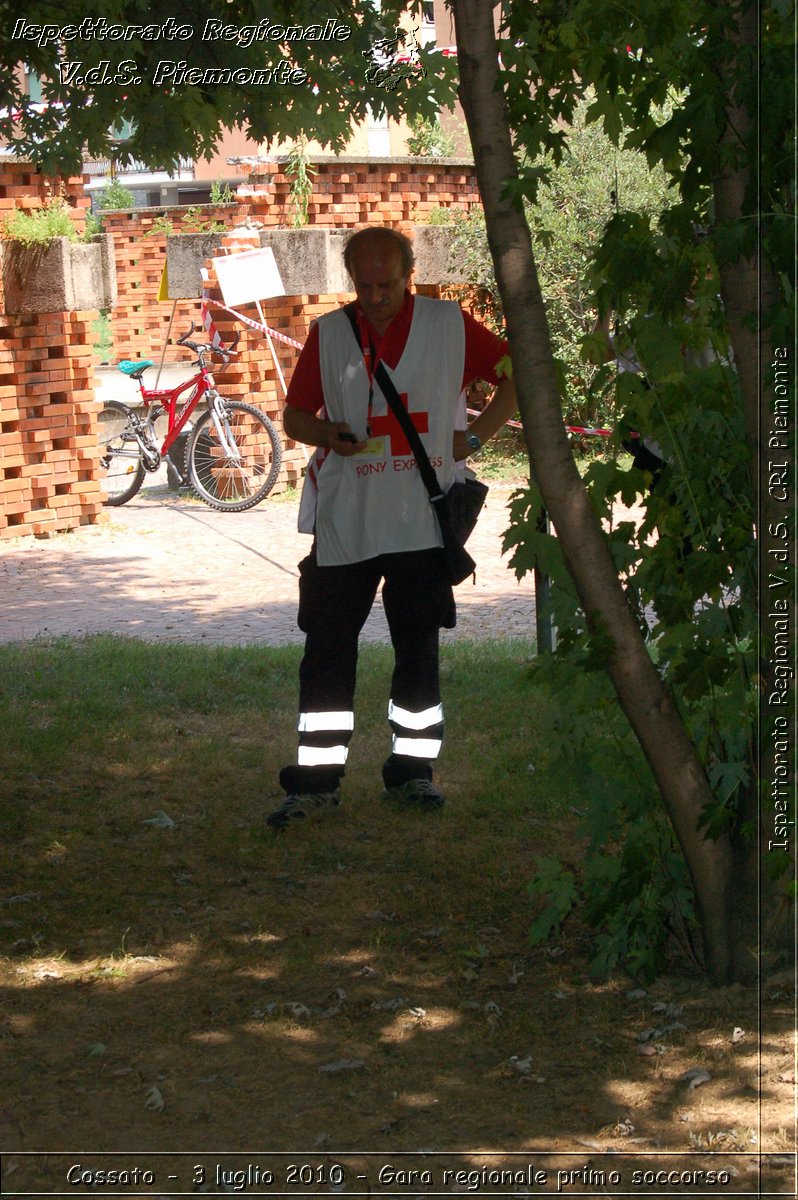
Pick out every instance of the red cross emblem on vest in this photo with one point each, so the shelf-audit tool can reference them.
(389, 424)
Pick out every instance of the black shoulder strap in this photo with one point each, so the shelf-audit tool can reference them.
(400, 412)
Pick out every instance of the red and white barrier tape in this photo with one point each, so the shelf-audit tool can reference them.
(207, 319)
(580, 429)
(282, 337)
(258, 325)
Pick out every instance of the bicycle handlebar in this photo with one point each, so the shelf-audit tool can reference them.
(200, 349)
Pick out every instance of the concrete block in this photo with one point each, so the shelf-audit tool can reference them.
(59, 276)
(185, 256)
(432, 247)
(303, 259)
(339, 276)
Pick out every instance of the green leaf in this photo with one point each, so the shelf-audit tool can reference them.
(559, 888)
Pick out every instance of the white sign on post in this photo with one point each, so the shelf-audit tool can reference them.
(248, 277)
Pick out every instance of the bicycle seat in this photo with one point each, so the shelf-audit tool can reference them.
(134, 369)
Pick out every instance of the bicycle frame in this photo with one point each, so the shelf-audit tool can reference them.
(178, 411)
(167, 400)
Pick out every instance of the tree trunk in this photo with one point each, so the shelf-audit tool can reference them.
(645, 700)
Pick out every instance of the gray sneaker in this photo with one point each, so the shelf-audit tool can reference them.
(418, 793)
(296, 808)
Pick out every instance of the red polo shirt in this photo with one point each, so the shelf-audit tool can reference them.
(483, 351)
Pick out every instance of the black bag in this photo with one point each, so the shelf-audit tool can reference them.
(457, 510)
(459, 562)
(465, 502)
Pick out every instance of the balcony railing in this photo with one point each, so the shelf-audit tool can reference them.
(102, 166)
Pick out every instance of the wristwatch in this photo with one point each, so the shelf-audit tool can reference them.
(473, 442)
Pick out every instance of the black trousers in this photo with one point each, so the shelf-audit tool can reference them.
(334, 603)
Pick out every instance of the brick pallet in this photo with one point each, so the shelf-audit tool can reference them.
(140, 319)
(21, 186)
(48, 414)
(48, 425)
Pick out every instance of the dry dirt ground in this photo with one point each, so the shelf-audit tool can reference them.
(288, 1012)
(202, 1008)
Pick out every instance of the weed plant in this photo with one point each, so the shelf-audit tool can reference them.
(41, 225)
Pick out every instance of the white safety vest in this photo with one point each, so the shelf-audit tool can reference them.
(375, 502)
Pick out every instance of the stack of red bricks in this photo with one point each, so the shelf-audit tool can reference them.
(21, 186)
(140, 319)
(350, 192)
(48, 424)
(48, 429)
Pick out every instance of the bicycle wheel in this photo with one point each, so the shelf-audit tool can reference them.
(122, 472)
(238, 475)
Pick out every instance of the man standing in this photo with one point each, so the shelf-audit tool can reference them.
(373, 519)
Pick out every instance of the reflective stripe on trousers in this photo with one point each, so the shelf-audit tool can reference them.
(324, 738)
(416, 734)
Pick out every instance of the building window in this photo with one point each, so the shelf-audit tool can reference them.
(34, 85)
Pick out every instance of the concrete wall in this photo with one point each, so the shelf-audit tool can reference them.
(310, 261)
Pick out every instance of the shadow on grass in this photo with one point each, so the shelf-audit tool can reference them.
(174, 977)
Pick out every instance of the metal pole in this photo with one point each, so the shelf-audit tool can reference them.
(275, 360)
(545, 630)
(165, 343)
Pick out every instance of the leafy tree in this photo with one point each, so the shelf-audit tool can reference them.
(689, 702)
(150, 86)
(567, 220)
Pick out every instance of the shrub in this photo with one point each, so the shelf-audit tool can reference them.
(300, 172)
(194, 220)
(116, 195)
(429, 139)
(222, 193)
(573, 206)
(94, 226)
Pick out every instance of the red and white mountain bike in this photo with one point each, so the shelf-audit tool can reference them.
(232, 452)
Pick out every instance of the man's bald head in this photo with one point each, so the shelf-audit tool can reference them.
(379, 242)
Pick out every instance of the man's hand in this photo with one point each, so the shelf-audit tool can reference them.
(342, 440)
(305, 427)
(501, 407)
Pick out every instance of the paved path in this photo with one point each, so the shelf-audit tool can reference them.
(166, 568)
